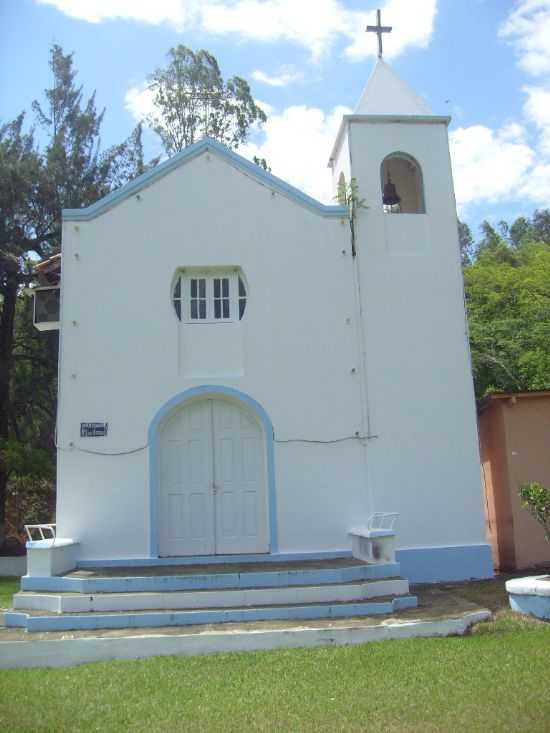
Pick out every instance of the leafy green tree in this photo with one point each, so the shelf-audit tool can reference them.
(192, 101)
(508, 304)
(21, 182)
(520, 230)
(466, 243)
(35, 185)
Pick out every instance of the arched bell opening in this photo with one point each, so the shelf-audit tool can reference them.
(402, 185)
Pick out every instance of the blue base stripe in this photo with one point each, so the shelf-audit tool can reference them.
(443, 564)
(538, 606)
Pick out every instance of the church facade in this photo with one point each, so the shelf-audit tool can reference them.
(244, 373)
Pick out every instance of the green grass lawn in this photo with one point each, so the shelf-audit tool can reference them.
(496, 679)
(8, 586)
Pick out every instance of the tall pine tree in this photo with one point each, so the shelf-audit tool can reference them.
(70, 171)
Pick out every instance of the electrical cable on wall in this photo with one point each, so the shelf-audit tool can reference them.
(327, 442)
(72, 447)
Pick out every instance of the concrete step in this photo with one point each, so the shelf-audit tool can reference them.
(219, 598)
(38, 621)
(144, 580)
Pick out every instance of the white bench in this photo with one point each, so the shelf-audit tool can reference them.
(375, 543)
(51, 555)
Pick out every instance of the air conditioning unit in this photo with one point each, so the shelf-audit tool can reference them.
(46, 308)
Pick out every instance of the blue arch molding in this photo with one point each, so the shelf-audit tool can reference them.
(192, 151)
(209, 390)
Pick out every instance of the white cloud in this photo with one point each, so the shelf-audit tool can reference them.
(537, 111)
(139, 102)
(282, 80)
(317, 24)
(175, 12)
(489, 165)
(528, 28)
(536, 186)
(313, 24)
(310, 23)
(297, 144)
(413, 21)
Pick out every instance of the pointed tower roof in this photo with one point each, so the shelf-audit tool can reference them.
(387, 94)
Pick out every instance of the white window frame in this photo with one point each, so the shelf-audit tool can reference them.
(185, 279)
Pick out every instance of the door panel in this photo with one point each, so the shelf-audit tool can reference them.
(239, 476)
(213, 496)
(186, 483)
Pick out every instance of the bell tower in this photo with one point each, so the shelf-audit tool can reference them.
(418, 387)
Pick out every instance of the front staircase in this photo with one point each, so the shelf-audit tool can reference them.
(183, 595)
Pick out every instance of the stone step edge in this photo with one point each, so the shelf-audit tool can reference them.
(149, 619)
(78, 594)
(70, 652)
(224, 598)
(249, 579)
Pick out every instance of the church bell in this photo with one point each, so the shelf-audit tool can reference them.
(390, 197)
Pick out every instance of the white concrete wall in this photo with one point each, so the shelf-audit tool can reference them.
(119, 363)
(299, 338)
(424, 463)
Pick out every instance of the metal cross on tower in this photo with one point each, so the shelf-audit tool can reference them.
(379, 29)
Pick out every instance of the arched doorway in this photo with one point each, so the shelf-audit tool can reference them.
(212, 470)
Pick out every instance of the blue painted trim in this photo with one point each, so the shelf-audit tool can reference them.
(447, 563)
(210, 390)
(214, 581)
(212, 616)
(144, 562)
(207, 144)
(534, 605)
(16, 619)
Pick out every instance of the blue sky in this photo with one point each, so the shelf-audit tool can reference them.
(485, 62)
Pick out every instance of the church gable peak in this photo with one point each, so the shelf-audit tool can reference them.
(204, 146)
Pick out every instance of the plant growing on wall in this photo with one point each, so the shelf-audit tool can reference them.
(536, 499)
(347, 194)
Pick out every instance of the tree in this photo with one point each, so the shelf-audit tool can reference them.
(35, 185)
(192, 101)
(466, 242)
(262, 162)
(508, 304)
(20, 183)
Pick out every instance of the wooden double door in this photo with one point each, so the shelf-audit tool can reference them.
(213, 490)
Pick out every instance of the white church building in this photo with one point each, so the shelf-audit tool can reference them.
(241, 379)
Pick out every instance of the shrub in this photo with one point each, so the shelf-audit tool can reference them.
(536, 499)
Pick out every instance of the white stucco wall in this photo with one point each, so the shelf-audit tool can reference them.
(425, 462)
(120, 363)
(121, 355)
